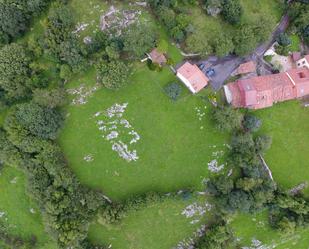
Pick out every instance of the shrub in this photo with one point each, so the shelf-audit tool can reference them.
(227, 118)
(284, 40)
(232, 11)
(173, 90)
(112, 75)
(251, 123)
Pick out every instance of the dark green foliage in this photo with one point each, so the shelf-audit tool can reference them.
(73, 53)
(227, 118)
(114, 74)
(217, 236)
(50, 98)
(15, 71)
(173, 90)
(283, 39)
(289, 212)
(15, 16)
(231, 11)
(251, 123)
(60, 23)
(39, 121)
(299, 18)
(245, 40)
(176, 22)
(139, 39)
(262, 144)
(16, 242)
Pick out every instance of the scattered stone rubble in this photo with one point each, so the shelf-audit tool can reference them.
(88, 158)
(116, 20)
(82, 93)
(196, 211)
(117, 129)
(189, 243)
(256, 244)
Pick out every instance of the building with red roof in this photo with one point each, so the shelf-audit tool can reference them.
(246, 68)
(157, 57)
(192, 77)
(263, 91)
(304, 62)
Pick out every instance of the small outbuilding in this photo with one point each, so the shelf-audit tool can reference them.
(157, 57)
(192, 77)
(246, 68)
(304, 62)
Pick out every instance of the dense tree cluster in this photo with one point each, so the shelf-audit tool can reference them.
(112, 74)
(217, 236)
(252, 188)
(10, 241)
(15, 16)
(248, 34)
(299, 15)
(174, 19)
(289, 212)
(18, 74)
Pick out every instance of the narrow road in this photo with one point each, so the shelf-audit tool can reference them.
(226, 65)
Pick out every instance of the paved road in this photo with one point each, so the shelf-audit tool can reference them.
(226, 65)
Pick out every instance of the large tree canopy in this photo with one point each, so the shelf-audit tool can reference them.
(15, 71)
(15, 16)
(39, 121)
(139, 39)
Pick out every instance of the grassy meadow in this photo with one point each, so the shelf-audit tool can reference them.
(176, 143)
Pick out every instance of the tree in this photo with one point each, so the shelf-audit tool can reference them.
(39, 121)
(73, 54)
(139, 39)
(197, 43)
(232, 11)
(15, 72)
(283, 39)
(251, 123)
(112, 75)
(213, 7)
(13, 22)
(262, 143)
(173, 90)
(227, 118)
(223, 45)
(218, 236)
(50, 98)
(245, 40)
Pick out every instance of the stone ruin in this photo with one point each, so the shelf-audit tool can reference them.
(116, 20)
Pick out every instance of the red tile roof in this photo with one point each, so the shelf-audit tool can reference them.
(194, 76)
(264, 91)
(157, 57)
(248, 67)
(296, 56)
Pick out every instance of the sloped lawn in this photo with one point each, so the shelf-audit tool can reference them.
(160, 225)
(17, 212)
(175, 143)
(288, 124)
(255, 227)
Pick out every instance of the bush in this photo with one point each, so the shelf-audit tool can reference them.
(283, 39)
(113, 74)
(232, 11)
(251, 123)
(227, 118)
(173, 90)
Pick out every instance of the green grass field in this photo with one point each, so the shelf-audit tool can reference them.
(163, 226)
(249, 227)
(175, 145)
(174, 148)
(288, 124)
(16, 209)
